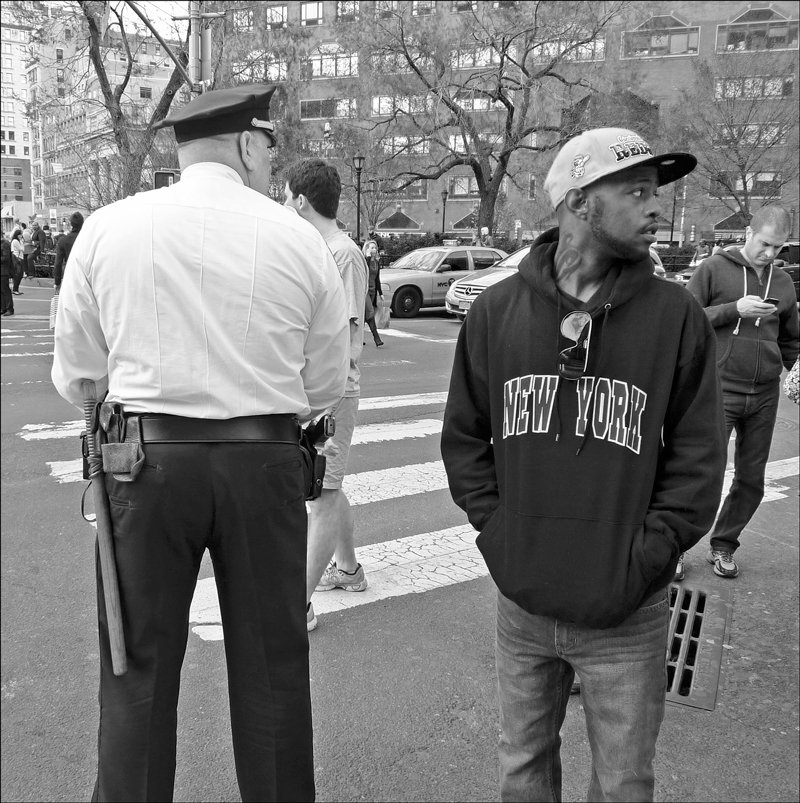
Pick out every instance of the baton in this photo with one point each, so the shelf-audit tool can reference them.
(108, 566)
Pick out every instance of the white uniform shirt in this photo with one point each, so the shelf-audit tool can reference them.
(206, 300)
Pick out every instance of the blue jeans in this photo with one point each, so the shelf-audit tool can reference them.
(753, 416)
(623, 687)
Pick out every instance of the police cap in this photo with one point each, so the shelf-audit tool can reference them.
(224, 111)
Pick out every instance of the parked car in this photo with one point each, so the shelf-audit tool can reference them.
(788, 259)
(462, 293)
(422, 277)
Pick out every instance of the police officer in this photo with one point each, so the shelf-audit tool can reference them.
(216, 319)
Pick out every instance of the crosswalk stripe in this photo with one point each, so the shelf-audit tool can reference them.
(411, 565)
(411, 335)
(29, 354)
(410, 400)
(392, 483)
(396, 431)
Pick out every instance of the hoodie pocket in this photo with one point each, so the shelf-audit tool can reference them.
(740, 359)
(770, 364)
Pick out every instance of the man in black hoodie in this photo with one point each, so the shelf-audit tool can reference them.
(752, 306)
(64, 248)
(584, 438)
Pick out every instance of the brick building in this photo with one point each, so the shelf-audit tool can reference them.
(339, 89)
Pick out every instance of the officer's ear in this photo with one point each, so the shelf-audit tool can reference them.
(249, 150)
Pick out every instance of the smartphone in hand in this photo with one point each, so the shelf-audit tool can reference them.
(773, 301)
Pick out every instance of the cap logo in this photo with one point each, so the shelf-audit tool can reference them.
(578, 165)
(630, 146)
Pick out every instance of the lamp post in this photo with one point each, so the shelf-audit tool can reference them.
(358, 164)
(444, 206)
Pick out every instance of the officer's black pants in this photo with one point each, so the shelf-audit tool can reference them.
(244, 502)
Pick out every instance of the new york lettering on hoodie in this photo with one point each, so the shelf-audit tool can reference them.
(585, 492)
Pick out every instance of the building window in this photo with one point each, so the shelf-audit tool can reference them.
(757, 29)
(8, 63)
(764, 86)
(144, 47)
(474, 57)
(423, 8)
(59, 54)
(347, 10)
(504, 3)
(158, 49)
(389, 63)
(385, 105)
(403, 145)
(385, 9)
(327, 109)
(567, 50)
(276, 17)
(330, 61)
(25, 136)
(26, 151)
(320, 147)
(464, 187)
(12, 150)
(60, 76)
(145, 92)
(660, 36)
(531, 187)
(243, 20)
(10, 121)
(464, 5)
(310, 14)
(759, 185)
(756, 135)
(12, 135)
(470, 102)
(275, 69)
(416, 191)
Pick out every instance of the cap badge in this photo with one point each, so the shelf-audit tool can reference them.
(578, 164)
(628, 147)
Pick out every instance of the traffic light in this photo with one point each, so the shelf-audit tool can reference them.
(165, 178)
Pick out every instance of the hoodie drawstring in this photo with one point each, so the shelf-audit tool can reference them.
(598, 363)
(766, 292)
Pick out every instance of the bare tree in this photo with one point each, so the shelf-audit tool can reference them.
(739, 116)
(476, 88)
(114, 147)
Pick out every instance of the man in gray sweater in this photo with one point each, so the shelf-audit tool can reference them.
(752, 306)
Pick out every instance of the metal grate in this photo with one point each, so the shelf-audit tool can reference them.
(698, 620)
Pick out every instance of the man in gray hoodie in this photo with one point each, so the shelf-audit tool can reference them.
(752, 306)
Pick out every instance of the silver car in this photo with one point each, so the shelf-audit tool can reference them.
(460, 296)
(422, 277)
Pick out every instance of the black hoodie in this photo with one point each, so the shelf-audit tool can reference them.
(585, 492)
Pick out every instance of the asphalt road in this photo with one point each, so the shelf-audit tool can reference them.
(403, 684)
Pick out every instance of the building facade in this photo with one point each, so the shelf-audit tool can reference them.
(342, 92)
(15, 132)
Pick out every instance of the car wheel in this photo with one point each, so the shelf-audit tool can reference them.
(406, 302)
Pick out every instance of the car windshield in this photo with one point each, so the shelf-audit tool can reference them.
(511, 262)
(419, 260)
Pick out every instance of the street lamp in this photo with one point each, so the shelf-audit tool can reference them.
(445, 193)
(358, 164)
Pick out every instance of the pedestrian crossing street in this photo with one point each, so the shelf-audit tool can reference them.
(395, 475)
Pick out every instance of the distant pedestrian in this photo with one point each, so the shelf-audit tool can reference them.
(64, 247)
(753, 309)
(17, 259)
(37, 246)
(6, 272)
(312, 189)
(702, 251)
(583, 437)
(373, 288)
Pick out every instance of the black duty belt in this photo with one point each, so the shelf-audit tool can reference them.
(177, 429)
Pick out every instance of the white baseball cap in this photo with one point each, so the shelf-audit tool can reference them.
(601, 152)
